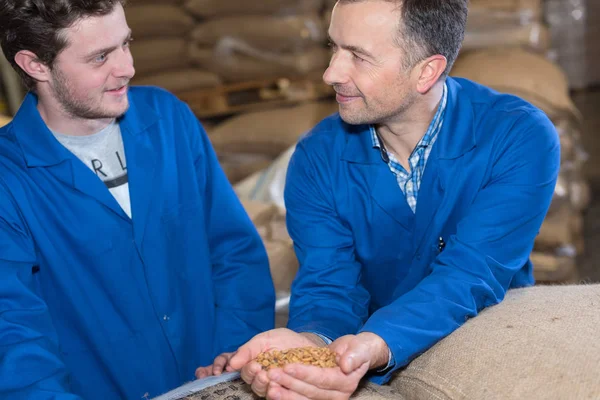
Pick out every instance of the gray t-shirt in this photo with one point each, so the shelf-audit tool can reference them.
(103, 153)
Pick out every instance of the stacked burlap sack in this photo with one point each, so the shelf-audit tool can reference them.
(539, 81)
(574, 30)
(269, 220)
(539, 343)
(4, 120)
(258, 40)
(498, 23)
(249, 142)
(160, 50)
(513, 23)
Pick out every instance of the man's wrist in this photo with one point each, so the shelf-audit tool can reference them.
(316, 339)
(377, 347)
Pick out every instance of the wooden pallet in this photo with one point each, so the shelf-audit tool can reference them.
(253, 96)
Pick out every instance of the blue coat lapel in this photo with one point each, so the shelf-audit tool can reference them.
(141, 151)
(456, 138)
(41, 149)
(383, 186)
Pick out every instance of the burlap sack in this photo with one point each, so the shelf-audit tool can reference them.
(580, 192)
(561, 198)
(522, 73)
(235, 61)
(539, 343)
(523, 8)
(269, 132)
(237, 166)
(263, 32)
(283, 264)
(260, 213)
(157, 55)
(179, 80)
(158, 20)
(553, 268)
(534, 36)
(216, 8)
(557, 229)
(4, 120)
(238, 390)
(269, 221)
(140, 2)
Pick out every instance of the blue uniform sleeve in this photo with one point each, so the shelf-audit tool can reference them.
(30, 367)
(327, 295)
(243, 288)
(491, 245)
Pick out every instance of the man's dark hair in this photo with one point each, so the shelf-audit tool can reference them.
(430, 27)
(37, 26)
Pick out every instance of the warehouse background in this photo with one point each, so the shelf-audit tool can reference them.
(251, 71)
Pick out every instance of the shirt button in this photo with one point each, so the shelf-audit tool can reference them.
(418, 257)
(166, 318)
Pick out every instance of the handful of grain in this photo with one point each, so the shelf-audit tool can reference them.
(317, 356)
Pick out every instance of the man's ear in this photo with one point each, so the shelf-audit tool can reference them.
(32, 66)
(430, 71)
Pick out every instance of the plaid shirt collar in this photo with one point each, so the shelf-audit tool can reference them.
(432, 131)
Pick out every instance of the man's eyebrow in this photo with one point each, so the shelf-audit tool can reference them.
(106, 49)
(354, 49)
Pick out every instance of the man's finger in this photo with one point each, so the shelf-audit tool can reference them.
(295, 386)
(242, 357)
(203, 372)
(250, 371)
(278, 392)
(219, 363)
(353, 359)
(327, 378)
(260, 384)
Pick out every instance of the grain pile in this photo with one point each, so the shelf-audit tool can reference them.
(317, 356)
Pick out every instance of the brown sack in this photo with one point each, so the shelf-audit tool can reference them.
(524, 74)
(539, 343)
(269, 132)
(179, 80)
(238, 390)
(4, 120)
(215, 8)
(234, 61)
(521, 8)
(553, 268)
(561, 198)
(158, 20)
(556, 230)
(238, 166)
(283, 264)
(260, 213)
(263, 32)
(534, 36)
(157, 55)
(580, 191)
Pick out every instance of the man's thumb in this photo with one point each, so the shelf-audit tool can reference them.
(352, 360)
(241, 358)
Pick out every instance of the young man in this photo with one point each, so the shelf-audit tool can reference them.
(412, 209)
(125, 257)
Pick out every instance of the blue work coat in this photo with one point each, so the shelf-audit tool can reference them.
(368, 263)
(96, 305)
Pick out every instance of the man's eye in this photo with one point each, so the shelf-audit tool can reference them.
(357, 58)
(100, 58)
(332, 46)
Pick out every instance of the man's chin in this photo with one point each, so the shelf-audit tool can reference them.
(352, 118)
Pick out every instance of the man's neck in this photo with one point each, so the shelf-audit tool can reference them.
(58, 120)
(402, 135)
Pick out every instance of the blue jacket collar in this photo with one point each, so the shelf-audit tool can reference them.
(39, 146)
(455, 139)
